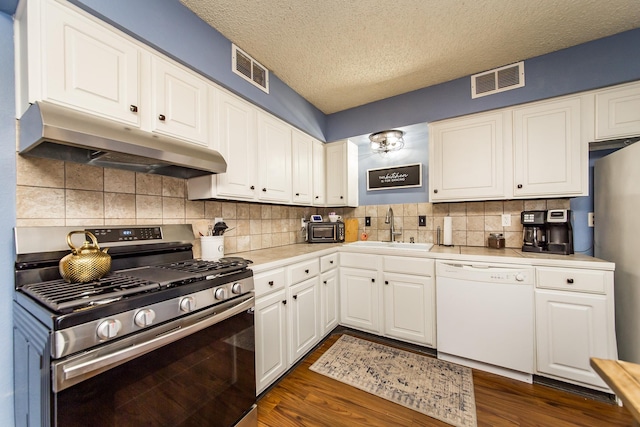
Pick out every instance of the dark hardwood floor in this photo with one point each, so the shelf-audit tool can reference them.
(305, 398)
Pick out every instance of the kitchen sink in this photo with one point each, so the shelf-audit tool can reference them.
(392, 245)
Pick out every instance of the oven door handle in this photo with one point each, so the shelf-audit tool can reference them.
(72, 371)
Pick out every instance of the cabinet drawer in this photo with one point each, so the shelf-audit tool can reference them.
(365, 261)
(328, 262)
(269, 281)
(571, 280)
(418, 266)
(304, 270)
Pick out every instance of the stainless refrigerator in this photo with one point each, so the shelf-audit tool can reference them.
(617, 239)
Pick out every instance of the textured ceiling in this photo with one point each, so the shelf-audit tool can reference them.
(339, 54)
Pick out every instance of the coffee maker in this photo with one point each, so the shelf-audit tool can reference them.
(547, 231)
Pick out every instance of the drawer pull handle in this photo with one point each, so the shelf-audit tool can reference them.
(570, 281)
(307, 271)
(270, 282)
(133, 108)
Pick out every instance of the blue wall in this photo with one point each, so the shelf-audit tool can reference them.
(588, 66)
(7, 216)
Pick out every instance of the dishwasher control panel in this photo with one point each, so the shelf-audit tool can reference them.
(482, 272)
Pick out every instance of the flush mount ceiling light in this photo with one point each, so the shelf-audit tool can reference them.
(386, 140)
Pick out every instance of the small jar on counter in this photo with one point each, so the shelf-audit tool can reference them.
(496, 241)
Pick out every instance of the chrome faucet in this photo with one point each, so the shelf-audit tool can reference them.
(392, 229)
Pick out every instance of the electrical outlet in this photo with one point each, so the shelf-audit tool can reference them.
(367, 221)
(422, 220)
(506, 220)
(591, 220)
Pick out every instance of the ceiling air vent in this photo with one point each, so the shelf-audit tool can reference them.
(249, 69)
(497, 80)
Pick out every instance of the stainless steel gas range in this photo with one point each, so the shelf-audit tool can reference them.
(162, 340)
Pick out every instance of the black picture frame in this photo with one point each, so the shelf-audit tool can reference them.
(403, 176)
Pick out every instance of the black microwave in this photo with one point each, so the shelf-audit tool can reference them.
(325, 232)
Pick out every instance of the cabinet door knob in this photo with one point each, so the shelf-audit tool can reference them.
(373, 280)
(297, 194)
(341, 197)
(519, 185)
(162, 118)
(386, 282)
(133, 108)
(570, 281)
(435, 191)
(307, 271)
(317, 197)
(331, 262)
(295, 297)
(325, 282)
(264, 189)
(284, 302)
(270, 282)
(253, 187)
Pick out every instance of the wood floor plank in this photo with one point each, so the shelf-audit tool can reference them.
(306, 398)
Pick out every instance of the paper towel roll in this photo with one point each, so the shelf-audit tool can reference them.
(448, 233)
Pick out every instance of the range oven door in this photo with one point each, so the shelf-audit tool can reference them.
(195, 371)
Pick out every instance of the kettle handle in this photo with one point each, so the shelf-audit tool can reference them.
(86, 233)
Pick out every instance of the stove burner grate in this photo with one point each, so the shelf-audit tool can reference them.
(222, 266)
(61, 296)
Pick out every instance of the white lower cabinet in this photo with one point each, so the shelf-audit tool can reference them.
(304, 318)
(359, 299)
(271, 338)
(407, 308)
(573, 324)
(287, 317)
(329, 293)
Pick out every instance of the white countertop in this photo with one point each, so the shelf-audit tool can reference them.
(265, 259)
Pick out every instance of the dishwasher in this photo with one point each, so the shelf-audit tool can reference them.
(485, 317)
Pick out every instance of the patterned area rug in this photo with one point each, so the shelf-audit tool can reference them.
(437, 388)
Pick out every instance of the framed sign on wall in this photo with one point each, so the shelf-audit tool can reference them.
(404, 176)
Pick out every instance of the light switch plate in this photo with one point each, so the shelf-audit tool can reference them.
(367, 221)
(422, 220)
(506, 220)
(591, 219)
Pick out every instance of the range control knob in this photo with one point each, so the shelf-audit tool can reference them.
(187, 304)
(144, 317)
(220, 293)
(108, 329)
(236, 288)
(519, 277)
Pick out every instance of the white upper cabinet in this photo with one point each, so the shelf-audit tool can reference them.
(467, 157)
(302, 167)
(617, 112)
(550, 153)
(75, 62)
(319, 171)
(238, 145)
(342, 173)
(180, 102)
(274, 159)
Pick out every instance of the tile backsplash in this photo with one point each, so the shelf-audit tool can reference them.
(52, 192)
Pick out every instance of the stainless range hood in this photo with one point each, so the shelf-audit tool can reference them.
(55, 132)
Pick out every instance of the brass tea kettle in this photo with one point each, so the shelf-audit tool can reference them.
(84, 264)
